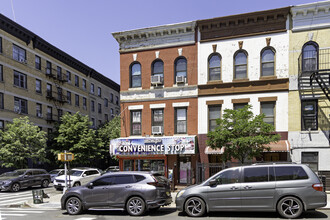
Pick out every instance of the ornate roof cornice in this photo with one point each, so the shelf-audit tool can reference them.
(156, 37)
(311, 16)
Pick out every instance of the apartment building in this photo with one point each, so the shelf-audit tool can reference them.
(42, 82)
(158, 69)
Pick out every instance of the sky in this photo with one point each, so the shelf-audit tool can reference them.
(82, 28)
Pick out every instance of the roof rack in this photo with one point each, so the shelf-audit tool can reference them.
(273, 163)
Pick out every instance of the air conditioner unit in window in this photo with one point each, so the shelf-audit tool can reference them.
(17, 110)
(180, 79)
(156, 130)
(22, 60)
(155, 80)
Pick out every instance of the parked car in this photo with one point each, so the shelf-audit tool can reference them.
(76, 177)
(55, 173)
(288, 189)
(112, 169)
(133, 191)
(23, 178)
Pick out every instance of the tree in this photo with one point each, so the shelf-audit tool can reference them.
(76, 136)
(243, 135)
(107, 132)
(22, 140)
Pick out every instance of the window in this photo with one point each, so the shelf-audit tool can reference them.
(100, 122)
(20, 80)
(93, 123)
(77, 100)
(135, 75)
(38, 86)
(92, 88)
(124, 179)
(136, 122)
(68, 96)
(157, 71)
(214, 114)
(99, 92)
(49, 90)
(76, 81)
(309, 115)
(99, 108)
(37, 62)
(117, 100)
(49, 113)
(84, 83)
(48, 68)
(106, 102)
(59, 94)
(1, 73)
(59, 73)
(0, 44)
(180, 68)
(238, 106)
(312, 159)
(111, 112)
(180, 121)
(268, 108)
(290, 173)
(214, 63)
(2, 123)
(84, 103)
(20, 105)
(111, 97)
(310, 56)
(68, 76)
(105, 181)
(240, 59)
(1, 101)
(59, 114)
(92, 106)
(256, 174)
(228, 177)
(106, 117)
(267, 62)
(158, 118)
(19, 54)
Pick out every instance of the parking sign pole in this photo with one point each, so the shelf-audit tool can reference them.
(65, 173)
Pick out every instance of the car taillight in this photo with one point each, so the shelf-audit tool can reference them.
(157, 184)
(318, 187)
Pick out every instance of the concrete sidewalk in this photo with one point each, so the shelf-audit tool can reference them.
(55, 202)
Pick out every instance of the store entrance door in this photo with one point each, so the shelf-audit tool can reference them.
(185, 170)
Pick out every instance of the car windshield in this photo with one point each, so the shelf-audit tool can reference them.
(54, 172)
(14, 173)
(75, 172)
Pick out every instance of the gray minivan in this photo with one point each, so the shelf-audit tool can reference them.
(288, 189)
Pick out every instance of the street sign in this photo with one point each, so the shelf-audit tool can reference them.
(65, 156)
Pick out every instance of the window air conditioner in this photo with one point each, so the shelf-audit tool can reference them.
(156, 130)
(156, 80)
(17, 110)
(180, 79)
(22, 60)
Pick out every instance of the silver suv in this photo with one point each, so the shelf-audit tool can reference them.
(133, 191)
(288, 189)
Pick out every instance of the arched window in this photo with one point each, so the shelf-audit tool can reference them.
(157, 69)
(214, 63)
(310, 56)
(240, 63)
(180, 70)
(135, 75)
(267, 62)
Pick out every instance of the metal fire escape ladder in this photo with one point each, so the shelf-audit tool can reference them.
(318, 77)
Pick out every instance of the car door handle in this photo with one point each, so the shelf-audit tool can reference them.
(128, 186)
(247, 187)
(234, 188)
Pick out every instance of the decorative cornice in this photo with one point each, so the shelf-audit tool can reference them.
(156, 37)
(261, 22)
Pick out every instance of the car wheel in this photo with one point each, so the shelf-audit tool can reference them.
(44, 183)
(73, 206)
(76, 184)
(195, 207)
(135, 206)
(15, 187)
(290, 207)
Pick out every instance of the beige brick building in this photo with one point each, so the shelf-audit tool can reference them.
(42, 82)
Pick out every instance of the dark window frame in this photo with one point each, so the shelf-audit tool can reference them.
(37, 61)
(157, 123)
(40, 86)
(18, 56)
(20, 79)
(1, 73)
(2, 100)
(305, 117)
(303, 60)
(21, 108)
(153, 73)
(76, 100)
(176, 71)
(136, 123)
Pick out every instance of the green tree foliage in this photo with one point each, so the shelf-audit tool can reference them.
(109, 131)
(243, 135)
(22, 140)
(76, 136)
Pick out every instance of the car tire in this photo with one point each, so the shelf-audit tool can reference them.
(76, 184)
(290, 207)
(194, 207)
(135, 206)
(44, 183)
(15, 187)
(73, 206)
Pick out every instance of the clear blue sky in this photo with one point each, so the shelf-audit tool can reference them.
(82, 28)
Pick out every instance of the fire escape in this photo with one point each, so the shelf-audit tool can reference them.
(57, 97)
(313, 82)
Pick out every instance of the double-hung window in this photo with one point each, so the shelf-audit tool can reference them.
(214, 65)
(136, 126)
(76, 81)
(20, 80)
(39, 110)
(1, 73)
(76, 100)
(99, 108)
(92, 106)
(19, 54)
(20, 105)
(37, 62)
(68, 76)
(92, 88)
(106, 102)
(267, 62)
(38, 85)
(158, 120)
(48, 68)
(181, 70)
(214, 114)
(49, 113)
(1, 101)
(99, 91)
(310, 56)
(157, 69)
(268, 109)
(68, 97)
(84, 83)
(240, 62)
(84, 103)
(135, 75)
(180, 120)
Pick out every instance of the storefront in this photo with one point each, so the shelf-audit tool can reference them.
(175, 157)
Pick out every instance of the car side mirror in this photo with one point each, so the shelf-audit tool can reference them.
(213, 182)
(90, 185)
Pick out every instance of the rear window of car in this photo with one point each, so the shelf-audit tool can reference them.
(124, 179)
(290, 173)
(256, 174)
(160, 178)
(139, 178)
